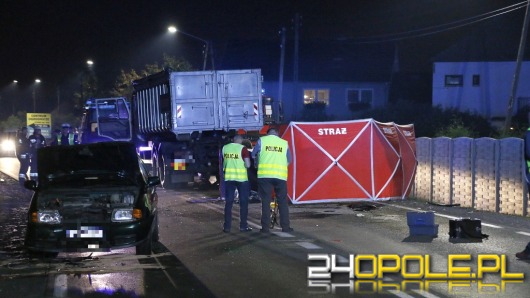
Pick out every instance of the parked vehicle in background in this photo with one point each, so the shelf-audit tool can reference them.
(181, 120)
(92, 197)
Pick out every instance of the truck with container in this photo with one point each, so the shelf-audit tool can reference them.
(180, 120)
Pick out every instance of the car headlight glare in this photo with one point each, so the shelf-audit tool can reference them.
(8, 145)
(122, 214)
(47, 217)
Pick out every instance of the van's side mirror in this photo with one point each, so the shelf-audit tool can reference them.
(153, 181)
(30, 184)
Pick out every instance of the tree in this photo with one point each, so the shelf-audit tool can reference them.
(89, 89)
(14, 122)
(123, 84)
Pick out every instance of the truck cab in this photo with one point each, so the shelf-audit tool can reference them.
(106, 119)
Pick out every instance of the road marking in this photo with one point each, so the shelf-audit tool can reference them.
(342, 260)
(60, 286)
(283, 234)
(441, 215)
(165, 273)
(308, 245)
(523, 233)
(220, 209)
(399, 294)
(424, 294)
(491, 226)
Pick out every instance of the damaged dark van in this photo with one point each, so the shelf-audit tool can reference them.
(92, 197)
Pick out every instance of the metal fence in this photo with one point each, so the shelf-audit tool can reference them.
(484, 174)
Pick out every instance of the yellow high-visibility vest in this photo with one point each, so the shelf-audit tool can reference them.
(233, 163)
(272, 160)
(70, 139)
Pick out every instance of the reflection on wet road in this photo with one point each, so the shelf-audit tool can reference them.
(119, 273)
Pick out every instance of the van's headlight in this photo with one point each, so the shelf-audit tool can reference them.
(122, 215)
(46, 217)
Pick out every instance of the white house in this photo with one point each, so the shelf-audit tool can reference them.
(482, 88)
(342, 99)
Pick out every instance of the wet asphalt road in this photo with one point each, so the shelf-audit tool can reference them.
(13, 205)
(195, 259)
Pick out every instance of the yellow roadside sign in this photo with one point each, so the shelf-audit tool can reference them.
(40, 120)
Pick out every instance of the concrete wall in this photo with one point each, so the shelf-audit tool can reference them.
(485, 174)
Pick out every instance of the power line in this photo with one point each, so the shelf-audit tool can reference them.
(431, 30)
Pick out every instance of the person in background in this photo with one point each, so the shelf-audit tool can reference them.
(525, 254)
(66, 137)
(23, 154)
(272, 157)
(252, 171)
(36, 141)
(55, 133)
(236, 161)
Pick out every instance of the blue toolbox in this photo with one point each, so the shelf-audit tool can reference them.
(422, 223)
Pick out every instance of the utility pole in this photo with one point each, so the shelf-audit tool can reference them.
(515, 81)
(295, 63)
(211, 55)
(296, 42)
(282, 62)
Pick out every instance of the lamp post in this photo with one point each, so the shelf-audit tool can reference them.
(14, 85)
(37, 81)
(85, 76)
(173, 29)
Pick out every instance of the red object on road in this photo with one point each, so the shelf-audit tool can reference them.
(345, 161)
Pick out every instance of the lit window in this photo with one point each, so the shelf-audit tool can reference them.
(316, 95)
(454, 80)
(360, 99)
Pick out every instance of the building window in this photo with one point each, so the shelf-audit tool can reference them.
(360, 99)
(454, 80)
(476, 80)
(316, 95)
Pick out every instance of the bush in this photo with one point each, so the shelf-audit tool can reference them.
(315, 111)
(432, 121)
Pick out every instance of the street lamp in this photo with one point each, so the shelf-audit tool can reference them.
(85, 78)
(14, 88)
(37, 81)
(173, 30)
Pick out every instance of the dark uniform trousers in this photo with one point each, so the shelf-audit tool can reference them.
(265, 187)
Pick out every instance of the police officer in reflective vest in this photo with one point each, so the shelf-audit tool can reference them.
(236, 161)
(23, 154)
(525, 254)
(65, 138)
(272, 157)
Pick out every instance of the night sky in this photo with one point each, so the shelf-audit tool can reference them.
(53, 39)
